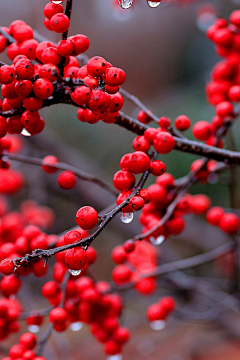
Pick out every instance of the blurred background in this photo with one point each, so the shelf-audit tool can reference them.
(167, 59)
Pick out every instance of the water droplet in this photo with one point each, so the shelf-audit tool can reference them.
(126, 218)
(154, 4)
(25, 133)
(33, 329)
(125, 4)
(157, 324)
(206, 16)
(213, 178)
(57, 1)
(76, 326)
(115, 357)
(74, 272)
(157, 241)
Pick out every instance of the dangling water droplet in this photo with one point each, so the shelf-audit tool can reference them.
(76, 326)
(159, 240)
(206, 16)
(74, 272)
(153, 4)
(126, 218)
(157, 324)
(33, 329)
(213, 178)
(57, 1)
(25, 133)
(125, 4)
(115, 357)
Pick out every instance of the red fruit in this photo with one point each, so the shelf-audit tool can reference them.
(30, 118)
(42, 88)
(58, 315)
(47, 71)
(164, 122)
(129, 246)
(42, 46)
(229, 223)
(202, 130)
(112, 348)
(50, 56)
(80, 43)
(72, 236)
(118, 254)
(51, 9)
(224, 108)
(146, 286)
(6, 267)
(155, 312)
(23, 88)
(121, 335)
(136, 203)
(59, 23)
(182, 123)
(32, 103)
(123, 180)
(64, 48)
(7, 74)
(81, 95)
(157, 168)
(158, 192)
(96, 66)
(139, 162)
(143, 117)
(235, 18)
(141, 144)
(50, 159)
(28, 48)
(16, 351)
(28, 340)
(91, 255)
(87, 217)
(24, 69)
(3, 126)
(23, 32)
(97, 100)
(67, 180)
(121, 274)
(168, 304)
(163, 142)
(214, 215)
(123, 196)
(76, 258)
(199, 203)
(10, 285)
(234, 93)
(114, 76)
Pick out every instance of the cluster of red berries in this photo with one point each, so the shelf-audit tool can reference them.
(9, 313)
(24, 349)
(227, 222)
(161, 310)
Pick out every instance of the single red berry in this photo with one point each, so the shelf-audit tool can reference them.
(49, 71)
(96, 66)
(229, 223)
(139, 162)
(143, 117)
(64, 48)
(76, 258)
(24, 69)
(28, 340)
(80, 43)
(7, 74)
(87, 217)
(234, 93)
(59, 23)
(140, 143)
(235, 18)
(163, 142)
(202, 130)
(50, 159)
(67, 180)
(118, 254)
(72, 236)
(182, 123)
(6, 267)
(3, 126)
(224, 108)
(42, 88)
(123, 180)
(32, 103)
(157, 167)
(51, 9)
(164, 122)
(121, 274)
(23, 88)
(50, 56)
(146, 195)
(114, 76)
(81, 95)
(214, 215)
(136, 203)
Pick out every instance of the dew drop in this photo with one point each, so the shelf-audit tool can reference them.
(206, 16)
(153, 4)
(76, 326)
(57, 1)
(126, 218)
(25, 133)
(33, 329)
(115, 357)
(125, 4)
(157, 324)
(74, 272)
(159, 240)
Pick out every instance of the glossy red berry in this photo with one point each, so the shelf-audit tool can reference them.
(96, 66)
(182, 123)
(121, 274)
(163, 142)
(51, 9)
(87, 217)
(3, 126)
(76, 258)
(59, 23)
(229, 223)
(50, 159)
(24, 69)
(157, 167)
(123, 180)
(214, 215)
(42, 88)
(140, 143)
(72, 236)
(67, 180)
(7, 74)
(6, 267)
(80, 43)
(114, 76)
(139, 162)
(202, 130)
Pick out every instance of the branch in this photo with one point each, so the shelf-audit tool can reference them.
(62, 166)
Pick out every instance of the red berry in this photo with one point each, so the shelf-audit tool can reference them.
(6, 267)
(163, 142)
(3, 126)
(141, 144)
(72, 236)
(24, 69)
(50, 55)
(52, 9)
(64, 48)
(229, 223)
(224, 108)
(214, 215)
(121, 274)
(43, 88)
(7, 74)
(80, 43)
(28, 340)
(50, 159)
(96, 66)
(59, 23)
(164, 122)
(202, 130)
(139, 162)
(114, 76)
(136, 203)
(157, 167)
(87, 217)
(76, 258)
(118, 255)
(123, 180)
(182, 123)
(67, 180)
(143, 117)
